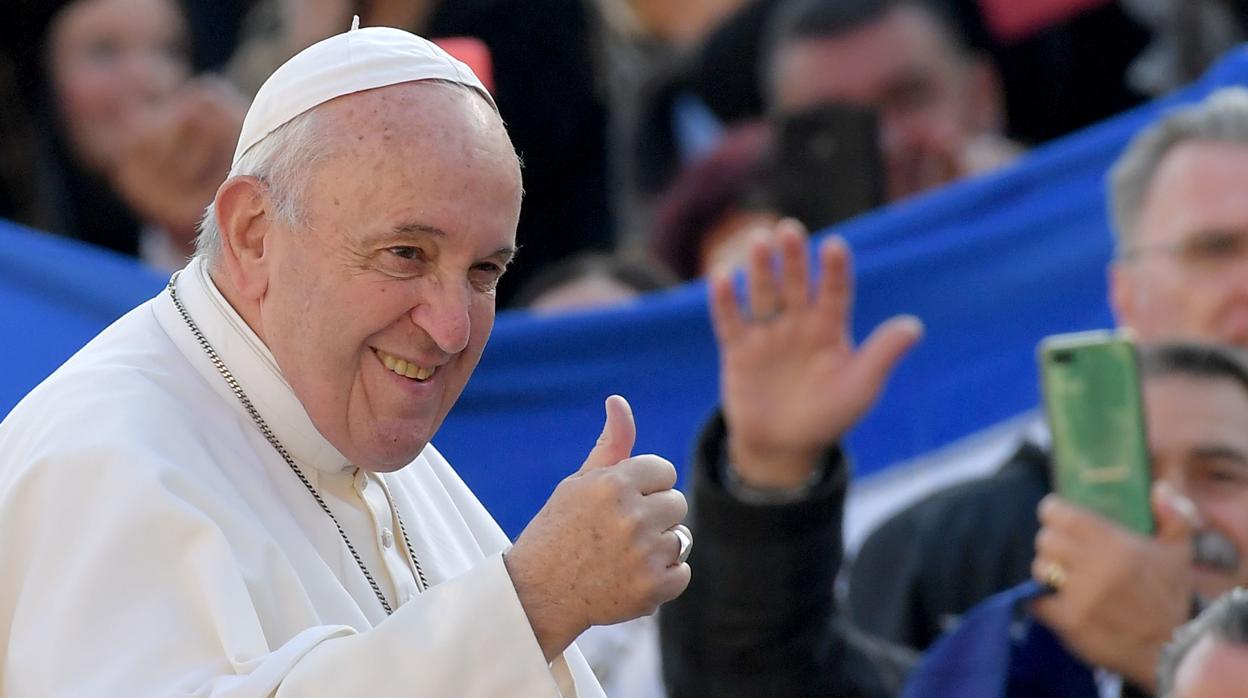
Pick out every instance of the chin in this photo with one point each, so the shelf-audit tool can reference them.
(396, 457)
(394, 447)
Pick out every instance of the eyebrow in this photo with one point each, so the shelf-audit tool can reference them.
(1226, 453)
(414, 229)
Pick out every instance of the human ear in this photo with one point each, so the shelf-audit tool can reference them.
(242, 206)
(1121, 293)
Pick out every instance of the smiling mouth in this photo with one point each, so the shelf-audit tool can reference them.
(405, 368)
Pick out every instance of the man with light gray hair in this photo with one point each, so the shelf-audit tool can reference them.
(231, 491)
(1180, 209)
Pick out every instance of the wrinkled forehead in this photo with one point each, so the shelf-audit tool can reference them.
(423, 113)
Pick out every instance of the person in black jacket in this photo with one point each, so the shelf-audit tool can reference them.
(768, 494)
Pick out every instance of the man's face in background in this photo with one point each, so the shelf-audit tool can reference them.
(931, 99)
(1183, 274)
(1198, 440)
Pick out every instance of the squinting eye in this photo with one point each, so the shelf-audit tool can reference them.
(403, 252)
(486, 275)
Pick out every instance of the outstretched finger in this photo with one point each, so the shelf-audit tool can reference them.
(795, 265)
(836, 283)
(761, 280)
(883, 349)
(726, 317)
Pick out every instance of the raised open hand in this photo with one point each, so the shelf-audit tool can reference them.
(791, 379)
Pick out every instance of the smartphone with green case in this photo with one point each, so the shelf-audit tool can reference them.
(1095, 410)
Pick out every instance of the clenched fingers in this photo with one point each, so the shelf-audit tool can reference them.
(647, 473)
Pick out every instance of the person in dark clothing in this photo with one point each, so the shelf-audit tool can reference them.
(768, 494)
(733, 633)
(910, 584)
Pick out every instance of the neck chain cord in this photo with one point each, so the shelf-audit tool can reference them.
(281, 451)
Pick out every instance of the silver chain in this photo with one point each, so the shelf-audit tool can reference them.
(281, 451)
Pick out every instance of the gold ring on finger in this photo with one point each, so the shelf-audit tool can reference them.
(1053, 575)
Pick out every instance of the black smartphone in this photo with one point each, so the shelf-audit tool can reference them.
(827, 165)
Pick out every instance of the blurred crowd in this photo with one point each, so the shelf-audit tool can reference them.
(655, 135)
(662, 141)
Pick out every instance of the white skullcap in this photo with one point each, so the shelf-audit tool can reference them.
(354, 61)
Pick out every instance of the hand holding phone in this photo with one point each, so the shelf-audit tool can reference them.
(1093, 402)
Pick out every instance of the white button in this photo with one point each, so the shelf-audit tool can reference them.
(407, 596)
(387, 538)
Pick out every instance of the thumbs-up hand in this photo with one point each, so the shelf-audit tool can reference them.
(619, 433)
(1119, 595)
(602, 549)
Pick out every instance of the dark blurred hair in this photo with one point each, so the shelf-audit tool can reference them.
(1225, 620)
(733, 176)
(824, 19)
(1194, 360)
(635, 274)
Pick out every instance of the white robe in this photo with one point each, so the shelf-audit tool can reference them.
(153, 543)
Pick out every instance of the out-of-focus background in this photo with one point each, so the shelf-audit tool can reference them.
(960, 148)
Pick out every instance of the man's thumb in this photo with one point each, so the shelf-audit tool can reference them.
(1177, 518)
(618, 434)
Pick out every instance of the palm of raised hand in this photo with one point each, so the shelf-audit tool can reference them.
(792, 382)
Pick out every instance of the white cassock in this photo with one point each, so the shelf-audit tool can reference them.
(153, 543)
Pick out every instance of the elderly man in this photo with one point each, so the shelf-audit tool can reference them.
(939, 104)
(1209, 656)
(231, 491)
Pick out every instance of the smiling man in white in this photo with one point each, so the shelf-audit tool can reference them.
(231, 491)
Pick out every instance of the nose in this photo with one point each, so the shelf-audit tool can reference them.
(443, 315)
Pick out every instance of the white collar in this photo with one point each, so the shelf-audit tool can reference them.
(251, 362)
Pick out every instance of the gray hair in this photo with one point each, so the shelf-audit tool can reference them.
(281, 161)
(1226, 620)
(1221, 117)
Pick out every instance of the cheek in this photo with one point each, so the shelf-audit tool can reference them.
(92, 105)
(1230, 515)
(481, 314)
(89, 95)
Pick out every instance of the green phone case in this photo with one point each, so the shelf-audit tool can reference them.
(1094, 406)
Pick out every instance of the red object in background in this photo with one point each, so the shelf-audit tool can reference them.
(474, 53)
(1011, 20)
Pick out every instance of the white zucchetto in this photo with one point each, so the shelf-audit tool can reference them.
(354, 61)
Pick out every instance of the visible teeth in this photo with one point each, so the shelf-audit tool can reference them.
(403, 368)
